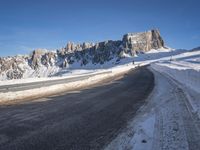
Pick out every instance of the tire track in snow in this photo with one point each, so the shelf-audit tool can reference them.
(175, 127)
(191, 129)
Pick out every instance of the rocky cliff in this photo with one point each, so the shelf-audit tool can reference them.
(143, 41)
(44, 63)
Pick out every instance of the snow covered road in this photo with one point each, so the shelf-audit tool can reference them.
(165, 122)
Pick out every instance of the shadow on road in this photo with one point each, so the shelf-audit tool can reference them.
(86, 119)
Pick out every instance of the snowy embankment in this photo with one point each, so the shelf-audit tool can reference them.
(59, 88)
(170, 117)
(73, 73)
(183, 74)
(184, 69)
(187, 76)
(164, 122)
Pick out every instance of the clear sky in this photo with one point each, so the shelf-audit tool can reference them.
(29, 24)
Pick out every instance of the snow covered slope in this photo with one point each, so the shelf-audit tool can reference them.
(184, 68)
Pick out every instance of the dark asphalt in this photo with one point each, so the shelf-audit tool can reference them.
(83, 120)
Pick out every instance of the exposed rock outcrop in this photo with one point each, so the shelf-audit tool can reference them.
(12, 67)
(143, 41)
(36, 58)
(71, 47)
(42, 60)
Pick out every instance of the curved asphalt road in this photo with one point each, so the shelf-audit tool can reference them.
(75, 121)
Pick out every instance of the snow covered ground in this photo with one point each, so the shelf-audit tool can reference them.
(67, 74)
(186, 73)
(166, 121)
(171, 117)
(77, 70)
(185, 70)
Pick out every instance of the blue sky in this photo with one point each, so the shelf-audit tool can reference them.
(29, 24)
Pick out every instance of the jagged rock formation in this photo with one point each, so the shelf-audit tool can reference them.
(143, 41)
(71, 47)
(11, 68)
(51, 62)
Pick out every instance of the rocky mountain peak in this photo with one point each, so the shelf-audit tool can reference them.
(45, 63)
(143, 41)
(71, 47)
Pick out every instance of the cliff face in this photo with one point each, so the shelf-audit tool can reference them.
(10, 68)
(45, 63)
(143, 41)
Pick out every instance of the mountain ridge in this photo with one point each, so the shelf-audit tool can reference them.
(51, 62)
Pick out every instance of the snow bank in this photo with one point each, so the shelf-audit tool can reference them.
(59, 88)
(161, 123)
(51, 90)
(69, 74)
(187, 76)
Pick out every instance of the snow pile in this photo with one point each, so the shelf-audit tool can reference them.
(50, 90)
(164, 122)
(59, 88)
(184, 74)
(184, 69)
(65, 75)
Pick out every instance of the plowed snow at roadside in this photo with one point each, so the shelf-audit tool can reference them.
(165, 122)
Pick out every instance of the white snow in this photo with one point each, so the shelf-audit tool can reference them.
(185, 69)
(68, 74)
(170, 118)
(143, 136)
(185, 74)
(165, 120)
(59, 88)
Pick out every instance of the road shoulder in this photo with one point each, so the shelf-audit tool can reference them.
(164, 122)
